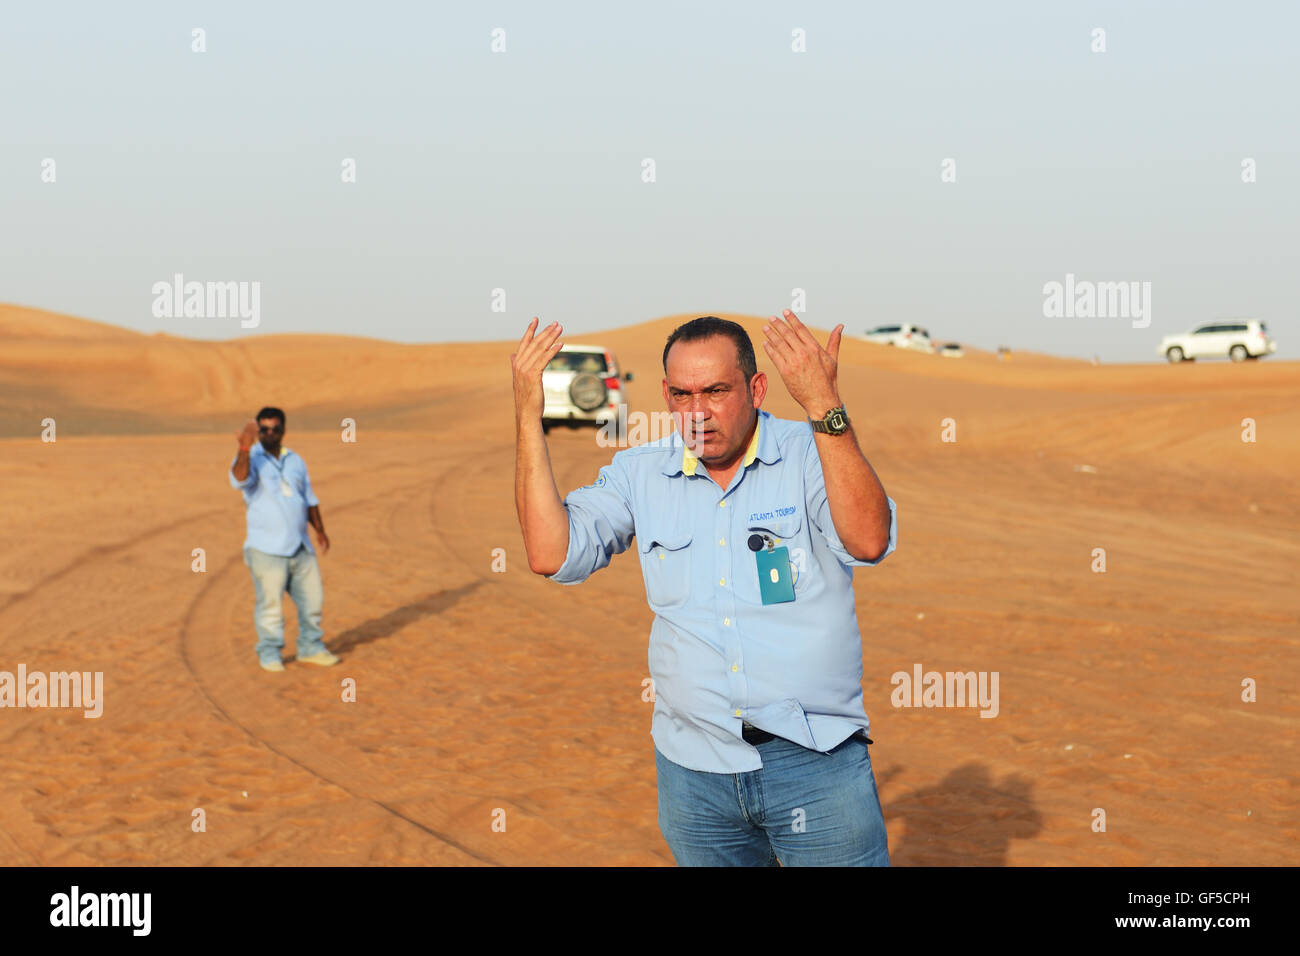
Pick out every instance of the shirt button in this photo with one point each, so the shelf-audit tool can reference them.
(661, 556)
(722, 504)
(722, 542)
(722, 581)
(738, 712)
(735, 667)
(727, 621)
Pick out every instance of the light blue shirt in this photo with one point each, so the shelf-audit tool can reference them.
(277, 495)
(718, 655)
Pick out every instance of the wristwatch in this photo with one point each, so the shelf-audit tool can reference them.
(836, 422)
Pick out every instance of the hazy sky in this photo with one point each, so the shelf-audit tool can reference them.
(774, 170)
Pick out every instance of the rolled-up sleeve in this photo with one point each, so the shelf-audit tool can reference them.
(819, 510)
(308, 493)
(600, 524)
(247, 482)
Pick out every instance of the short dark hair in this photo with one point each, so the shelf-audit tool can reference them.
(269, 412)
(707, 326)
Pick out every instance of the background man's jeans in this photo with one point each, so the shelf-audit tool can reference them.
(272, 576)
(750, 819)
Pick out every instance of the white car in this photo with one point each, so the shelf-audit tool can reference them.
(904, 336)
(950, 349)
(582, 386)
(1237, 339)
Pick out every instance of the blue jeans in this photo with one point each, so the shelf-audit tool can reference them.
(802, 808)
(272, 576)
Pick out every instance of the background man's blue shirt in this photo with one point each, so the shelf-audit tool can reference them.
(718, 655)
(277, 495)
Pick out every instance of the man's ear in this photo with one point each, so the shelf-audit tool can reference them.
(758, 388)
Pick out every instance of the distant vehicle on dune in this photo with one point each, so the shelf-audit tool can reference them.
(1237, 339)
(905, 335)
(950, 349)
(582, 386)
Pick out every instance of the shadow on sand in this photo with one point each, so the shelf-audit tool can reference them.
(378, 628)
(967, 819)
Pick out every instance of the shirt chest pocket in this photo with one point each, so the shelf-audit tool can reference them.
(666, 567)
(787, 533)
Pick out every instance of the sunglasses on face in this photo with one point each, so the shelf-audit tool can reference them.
(273, 430)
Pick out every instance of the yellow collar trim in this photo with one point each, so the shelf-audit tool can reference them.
(690, 461)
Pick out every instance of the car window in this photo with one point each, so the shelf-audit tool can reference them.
(1205, 330)
(577, 362)
(1239, 327)
(886, 328)
(1263, 326)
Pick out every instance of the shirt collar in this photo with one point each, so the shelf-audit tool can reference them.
(763, 446)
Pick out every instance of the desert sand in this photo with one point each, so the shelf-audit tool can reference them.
(479, 691)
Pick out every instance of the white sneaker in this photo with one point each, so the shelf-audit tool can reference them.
(320, 658)
(273, 665)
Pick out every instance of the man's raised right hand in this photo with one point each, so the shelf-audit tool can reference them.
(534, 352)
(248, 435)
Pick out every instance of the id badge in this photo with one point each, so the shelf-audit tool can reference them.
(286, 489)
(775, 583)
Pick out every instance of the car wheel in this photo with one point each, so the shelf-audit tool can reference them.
(1175, 354)
(1238, 353)
(588, 391)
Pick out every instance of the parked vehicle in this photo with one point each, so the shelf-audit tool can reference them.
(1237, 339)
(950, 349)
(904, 335)
(581, 385)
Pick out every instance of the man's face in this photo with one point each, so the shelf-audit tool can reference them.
(711, 403)
(269, 432)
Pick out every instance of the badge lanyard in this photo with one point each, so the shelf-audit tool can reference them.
(285, 488)
(775, 584)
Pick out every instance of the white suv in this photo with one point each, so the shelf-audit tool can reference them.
(904, 335)
(581, 385)
(1237, 339)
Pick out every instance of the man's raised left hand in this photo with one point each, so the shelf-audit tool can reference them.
(809, 371)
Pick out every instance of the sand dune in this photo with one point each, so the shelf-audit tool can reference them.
(480, 691)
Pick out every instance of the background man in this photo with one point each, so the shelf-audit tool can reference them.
(748, 528)
(279, 502)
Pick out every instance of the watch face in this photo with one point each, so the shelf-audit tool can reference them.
(835, 421)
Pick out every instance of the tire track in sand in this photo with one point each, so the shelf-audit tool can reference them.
(222, 681)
